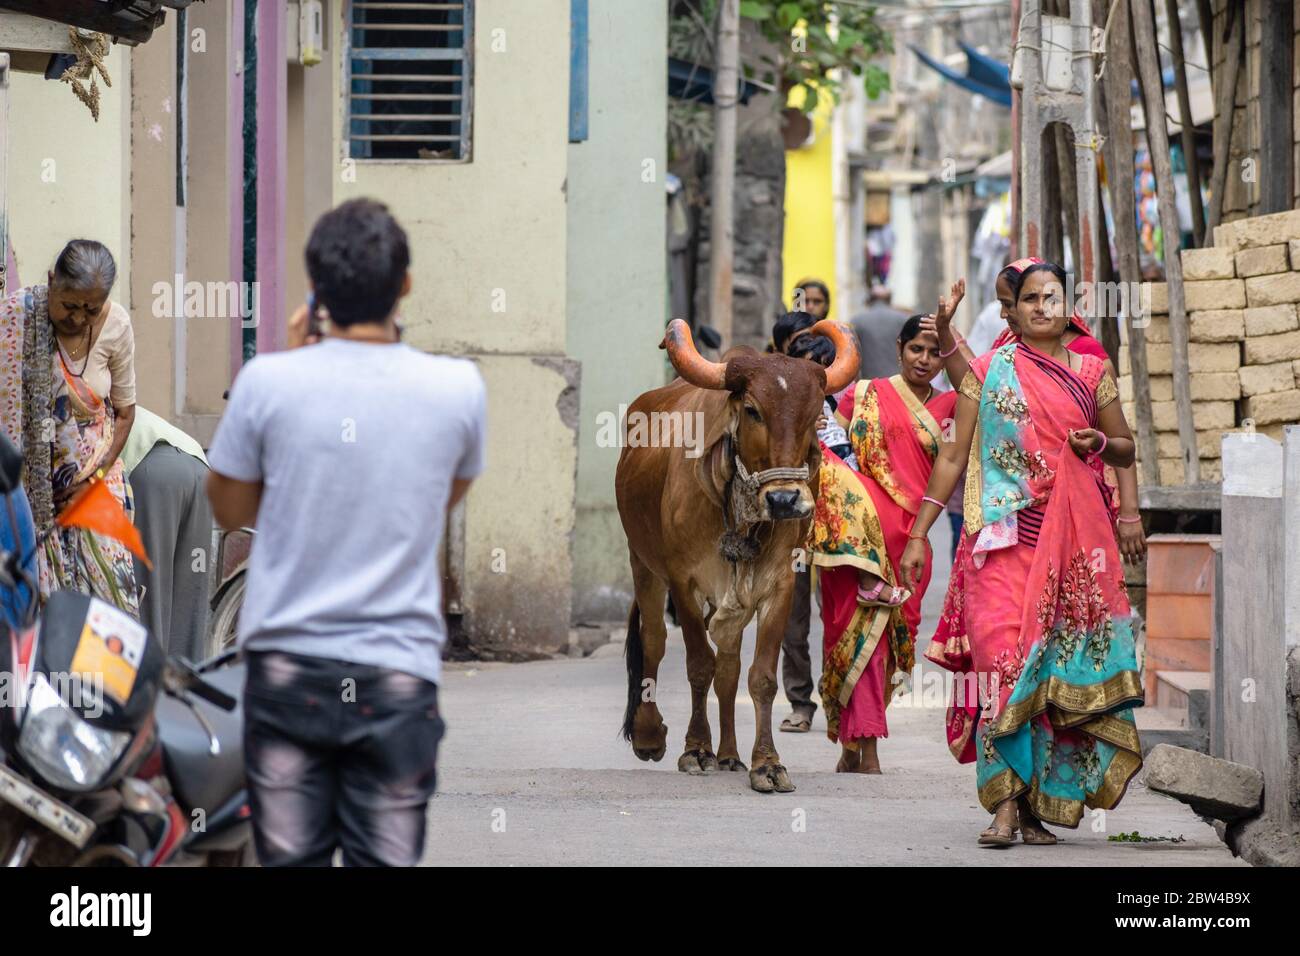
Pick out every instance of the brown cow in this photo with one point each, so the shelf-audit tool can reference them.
(719, 532)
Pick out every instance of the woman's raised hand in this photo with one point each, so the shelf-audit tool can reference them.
(948, 306)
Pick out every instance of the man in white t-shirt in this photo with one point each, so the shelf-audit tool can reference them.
(346, 456)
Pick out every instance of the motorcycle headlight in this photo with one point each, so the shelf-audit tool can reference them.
(63, 748)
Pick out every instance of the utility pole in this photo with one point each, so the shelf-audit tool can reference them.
(722, 179)
(1148, 61)
(1117, 81)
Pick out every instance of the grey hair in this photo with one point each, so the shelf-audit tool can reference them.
(85, 264)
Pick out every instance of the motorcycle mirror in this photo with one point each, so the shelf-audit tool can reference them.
(11, 465)
(709, 336)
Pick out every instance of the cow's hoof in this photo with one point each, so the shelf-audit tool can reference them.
(651, 744)
(697, 762)
(770, 779)
(646, 753)
(733, 764)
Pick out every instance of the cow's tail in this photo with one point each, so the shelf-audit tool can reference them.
(633, 652)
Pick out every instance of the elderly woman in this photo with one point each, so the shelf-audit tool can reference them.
(1047, 617)
(67, 398)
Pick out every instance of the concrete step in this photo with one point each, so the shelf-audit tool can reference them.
(1185, 695)
(1158, 726)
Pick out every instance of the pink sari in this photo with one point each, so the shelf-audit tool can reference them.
(861, 523)
(1037, 617)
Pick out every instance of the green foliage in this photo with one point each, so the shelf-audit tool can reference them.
(809, 39)
(815, 38)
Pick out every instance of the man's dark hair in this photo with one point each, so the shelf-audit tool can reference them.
(357, 258)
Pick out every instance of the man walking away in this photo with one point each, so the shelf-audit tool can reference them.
(346, 456)
(877, 330)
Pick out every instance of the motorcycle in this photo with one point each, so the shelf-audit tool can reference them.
(110, 752)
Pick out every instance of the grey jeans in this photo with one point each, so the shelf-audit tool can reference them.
(339, 755)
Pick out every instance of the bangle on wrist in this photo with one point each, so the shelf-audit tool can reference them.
(933, 501)
(957, 342)
(1104, 442)
(1129, 519)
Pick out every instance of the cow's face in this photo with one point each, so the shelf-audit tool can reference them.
(775, 404)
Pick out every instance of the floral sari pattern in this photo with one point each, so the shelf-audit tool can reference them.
(860, 523)
(1055, 633)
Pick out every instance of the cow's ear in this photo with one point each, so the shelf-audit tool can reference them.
(714, 469)
(716, 466)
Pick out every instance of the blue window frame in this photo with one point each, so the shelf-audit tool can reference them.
(409, 90)
(578, 39)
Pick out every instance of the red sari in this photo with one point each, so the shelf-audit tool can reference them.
(861, 523)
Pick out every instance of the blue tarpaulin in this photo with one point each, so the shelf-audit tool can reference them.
(984, 75)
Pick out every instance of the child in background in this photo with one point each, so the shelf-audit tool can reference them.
(829, 431)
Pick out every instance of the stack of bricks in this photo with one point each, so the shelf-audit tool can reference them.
(1244, 341)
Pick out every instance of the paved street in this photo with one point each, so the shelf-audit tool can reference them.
(533, 771)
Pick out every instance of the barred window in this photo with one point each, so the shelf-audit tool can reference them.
(410, 79)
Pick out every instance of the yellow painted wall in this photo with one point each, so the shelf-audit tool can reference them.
(809, 249)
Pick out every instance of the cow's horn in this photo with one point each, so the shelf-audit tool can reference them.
(688, 361)
(846, 367)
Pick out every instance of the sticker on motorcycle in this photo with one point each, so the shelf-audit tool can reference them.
(112, 644)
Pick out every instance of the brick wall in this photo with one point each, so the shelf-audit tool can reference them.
(1244, 350)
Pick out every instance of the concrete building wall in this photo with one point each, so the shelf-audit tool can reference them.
(616, 277)
(488, 241)
(215, 182)
(67, 173)
(151, 145)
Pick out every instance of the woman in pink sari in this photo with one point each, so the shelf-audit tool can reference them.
(1078, 338)
(1049, 628)
(860, 528)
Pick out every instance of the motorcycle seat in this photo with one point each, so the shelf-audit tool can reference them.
(199, 779)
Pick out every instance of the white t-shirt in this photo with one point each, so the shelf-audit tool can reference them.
(357, 445)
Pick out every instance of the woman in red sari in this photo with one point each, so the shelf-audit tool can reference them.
(860, 527)
(1047, 618)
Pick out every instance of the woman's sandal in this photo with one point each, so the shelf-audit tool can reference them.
(999, 834)
(871, 598)
(1035, 834)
